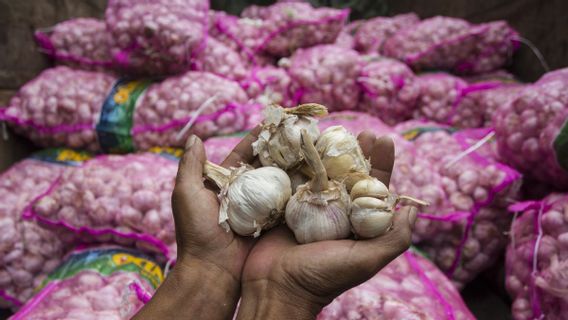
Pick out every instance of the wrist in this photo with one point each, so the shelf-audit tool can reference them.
(194, 288)
(263, 299)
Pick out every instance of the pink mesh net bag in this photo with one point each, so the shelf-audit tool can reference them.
(463, 228)
(96, 111)
(121, 199)
(453, 44)
(326, 74)
(531, 128)
(269, 84)
(95, 284)
(81, 42)
(537, 261)
(218, 148)
(390, 90)
(346, 38)
(372, 34)
(156, 37)
(410, 287)
(28, 252)
(438, 95)
(220, 59)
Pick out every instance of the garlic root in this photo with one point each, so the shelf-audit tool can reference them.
(319, 209)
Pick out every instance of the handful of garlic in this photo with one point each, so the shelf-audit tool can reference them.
(278, 143)
(252, 200)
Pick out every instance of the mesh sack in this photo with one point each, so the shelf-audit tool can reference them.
(95, 284)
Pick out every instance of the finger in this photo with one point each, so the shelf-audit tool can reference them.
(190, 171)
(374, 254)
(382, 159)
(366, 140)
(243, 151)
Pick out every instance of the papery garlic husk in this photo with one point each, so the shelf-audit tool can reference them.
(319, 210)
(372, 217)
(278, 143)
(342, 156)
(297, 178)
(251, 199)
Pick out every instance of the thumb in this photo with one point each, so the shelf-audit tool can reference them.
(190, 170)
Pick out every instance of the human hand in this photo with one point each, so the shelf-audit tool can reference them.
(207, 274)
(283, 279)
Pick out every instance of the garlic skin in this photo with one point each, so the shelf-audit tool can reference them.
(278, 143)
(319, 210)
(252, 200)
(297, 178)
(342, 156)
(371, 217)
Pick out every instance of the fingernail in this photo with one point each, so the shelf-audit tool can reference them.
(190, 142)
(412, 215)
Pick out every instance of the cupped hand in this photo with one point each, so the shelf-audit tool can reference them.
(291, 280)
(196, 211)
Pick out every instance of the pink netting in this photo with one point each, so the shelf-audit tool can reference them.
(453, 44)
(62, 106)
(156, 36)
(527, 127)
(326, 74)
(438, 95)
(269, 85)
(123, 199)
(373, 33)
(537, 259)
(462, 229)
(81, 42)
(221, 60)
(390, 90)
(346, 37)
(410, 287)
(218, 148)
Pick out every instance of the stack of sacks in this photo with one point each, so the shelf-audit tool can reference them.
(81, 42)
(537, 259)
(453, 44)
(373, 33)
(531, 129)
(28, 251)
(463, 228)
(156, 37)
(390, 90)
(326, 74)
(95, 111)
(410, 287)
(267, 85)
(95, 284)
(122, 199)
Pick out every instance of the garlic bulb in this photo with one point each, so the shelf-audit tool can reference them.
(373, 206)
(251, 199)
(342, 156)
(319, 210)
(278, 143)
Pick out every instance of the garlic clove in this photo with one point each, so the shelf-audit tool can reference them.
(370, 222)
(370, 187)
(297, 178)
(372, 203)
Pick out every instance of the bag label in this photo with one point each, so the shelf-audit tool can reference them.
(62, 156)
(561, 146)
(116, 118)
(107, 261)
(414, 133)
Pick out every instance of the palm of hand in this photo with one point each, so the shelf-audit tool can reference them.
(320, 271)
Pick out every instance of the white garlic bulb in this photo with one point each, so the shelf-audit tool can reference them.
(278, 143)
(373, 207)
(252, 200)
(319, 210)
(342, 156)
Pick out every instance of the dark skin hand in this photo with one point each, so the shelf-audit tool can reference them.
(280, 279)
